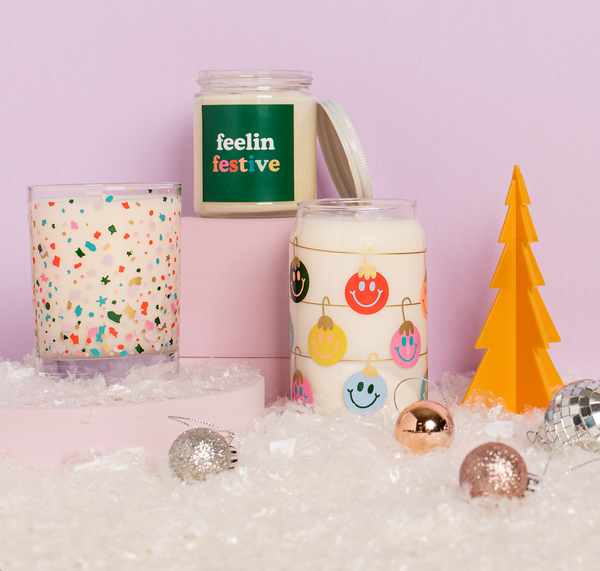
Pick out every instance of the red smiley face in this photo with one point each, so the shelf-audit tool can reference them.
(367, 294)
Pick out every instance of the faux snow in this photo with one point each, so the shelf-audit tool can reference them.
(310, 491)
(22, 387)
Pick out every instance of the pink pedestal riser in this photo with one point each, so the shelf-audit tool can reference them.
(234, 307)
(234, 294)
(52, 436)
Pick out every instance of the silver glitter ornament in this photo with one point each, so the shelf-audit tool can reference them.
(198, 452)
(573, 416)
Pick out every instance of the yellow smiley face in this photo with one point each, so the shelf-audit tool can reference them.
(326, 345)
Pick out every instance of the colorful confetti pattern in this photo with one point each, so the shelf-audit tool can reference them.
(106, 274)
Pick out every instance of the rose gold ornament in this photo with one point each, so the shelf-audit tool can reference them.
(424, 426)
(494, 469)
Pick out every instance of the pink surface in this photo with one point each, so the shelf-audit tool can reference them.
(445, 96)
(233, 290)
(53, 436)
(235, 294)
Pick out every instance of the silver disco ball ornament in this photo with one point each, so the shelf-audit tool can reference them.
(198, 452)
(573, 416)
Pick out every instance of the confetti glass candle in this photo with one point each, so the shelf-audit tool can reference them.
(358, 303)
(105, 269)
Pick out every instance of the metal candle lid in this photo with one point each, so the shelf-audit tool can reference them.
(342, 151)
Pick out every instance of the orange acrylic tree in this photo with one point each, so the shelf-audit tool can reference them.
(516, 368)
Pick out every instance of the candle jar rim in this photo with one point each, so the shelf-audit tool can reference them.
(92, 189)
(357, 204)
(253, 77)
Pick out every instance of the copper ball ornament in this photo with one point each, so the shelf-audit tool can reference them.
(494, 469)
(424, 426)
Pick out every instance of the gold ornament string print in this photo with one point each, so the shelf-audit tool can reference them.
(295, 243)
(299, 354)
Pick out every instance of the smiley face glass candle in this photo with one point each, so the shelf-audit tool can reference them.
(358, 303)
(105, 268)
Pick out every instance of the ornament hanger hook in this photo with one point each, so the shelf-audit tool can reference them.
(323, 304)
(294, 244)
(369, 358)
(580, 465)
(409, 301)
(182, 419)
(367, 247)
(418, 379)
(369, 370)
(534, 437)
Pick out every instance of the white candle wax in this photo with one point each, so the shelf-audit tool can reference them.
(105, 274)
(333, 249)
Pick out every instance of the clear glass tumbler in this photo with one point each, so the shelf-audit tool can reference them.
(358, 304)
(105, 271)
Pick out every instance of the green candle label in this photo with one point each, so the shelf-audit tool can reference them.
(247, 153)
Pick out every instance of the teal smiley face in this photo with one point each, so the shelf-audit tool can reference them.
(364, 394)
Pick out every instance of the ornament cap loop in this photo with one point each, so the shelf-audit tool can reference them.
(534, 482)
(369, 370)
(419, 379)
(182, 419)
(403, 314)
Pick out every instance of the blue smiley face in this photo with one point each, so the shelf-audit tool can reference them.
(364, 394)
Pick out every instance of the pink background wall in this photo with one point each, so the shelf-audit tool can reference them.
(445, 96)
